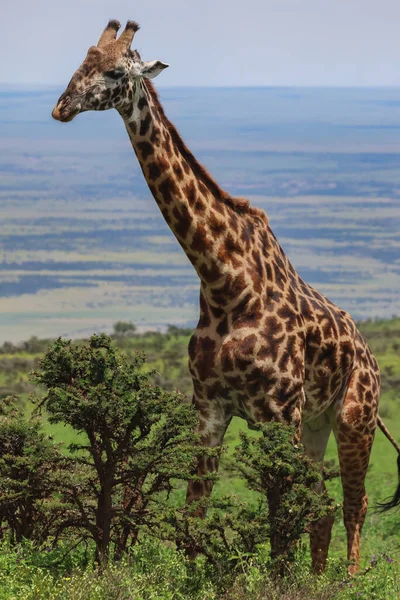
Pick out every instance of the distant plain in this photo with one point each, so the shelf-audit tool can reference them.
(83, 244)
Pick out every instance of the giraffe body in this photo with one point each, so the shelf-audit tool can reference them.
(283, 346)
(267, 345)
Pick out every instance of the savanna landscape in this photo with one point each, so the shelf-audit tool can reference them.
(83, 243)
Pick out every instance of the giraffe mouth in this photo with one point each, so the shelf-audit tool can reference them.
(63, 119)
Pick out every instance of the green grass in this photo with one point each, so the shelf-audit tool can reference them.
(155, 571)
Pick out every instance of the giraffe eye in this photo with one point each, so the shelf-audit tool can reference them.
(115, 74)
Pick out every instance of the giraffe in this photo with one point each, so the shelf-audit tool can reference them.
(267, 345)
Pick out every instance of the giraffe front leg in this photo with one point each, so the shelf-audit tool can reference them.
(213, 423)
(289, 413)
(314, 438)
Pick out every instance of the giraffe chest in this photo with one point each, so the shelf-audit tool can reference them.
(241, 367)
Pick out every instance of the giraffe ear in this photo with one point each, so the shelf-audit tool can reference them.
(153, 68)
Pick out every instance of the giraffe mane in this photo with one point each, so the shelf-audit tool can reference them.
(240, 205)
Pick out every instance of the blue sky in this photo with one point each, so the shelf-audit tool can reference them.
(212, 42)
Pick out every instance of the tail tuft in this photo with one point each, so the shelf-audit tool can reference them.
(395, 501)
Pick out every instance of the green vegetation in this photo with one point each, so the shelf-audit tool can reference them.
(155, 571)
(135, 439)
(234, 560)
(32, 469)
(112, 490)
(272, 466)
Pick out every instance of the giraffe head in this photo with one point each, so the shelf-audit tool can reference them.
(109, 75)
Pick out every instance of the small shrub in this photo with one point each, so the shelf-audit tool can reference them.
(32, 472)
(229, 535)
(274, 467)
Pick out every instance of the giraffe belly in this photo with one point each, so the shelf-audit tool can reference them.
(259, 381)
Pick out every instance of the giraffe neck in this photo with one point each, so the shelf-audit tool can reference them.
(203, 218)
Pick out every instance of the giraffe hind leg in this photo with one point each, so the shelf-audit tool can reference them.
(354, 428)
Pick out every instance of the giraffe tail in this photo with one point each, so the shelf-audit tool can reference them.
(387, 434)
(395, 501)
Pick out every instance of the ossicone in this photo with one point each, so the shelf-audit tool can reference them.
(109, 35)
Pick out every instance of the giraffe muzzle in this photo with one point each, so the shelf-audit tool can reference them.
(66, 109)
